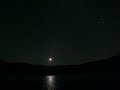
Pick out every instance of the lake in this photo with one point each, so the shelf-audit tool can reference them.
(61, 82)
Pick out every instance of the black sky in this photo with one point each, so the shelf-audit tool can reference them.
(74, 31)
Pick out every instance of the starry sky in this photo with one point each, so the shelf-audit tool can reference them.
(71, 31)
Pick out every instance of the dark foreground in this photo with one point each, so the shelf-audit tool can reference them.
(63, 82)
(100, 75)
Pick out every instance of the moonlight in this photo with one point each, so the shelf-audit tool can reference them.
(50, 59)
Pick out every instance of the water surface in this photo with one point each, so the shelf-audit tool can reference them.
(61, 82)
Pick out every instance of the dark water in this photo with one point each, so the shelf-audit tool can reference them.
(71, 82)
(61, 82)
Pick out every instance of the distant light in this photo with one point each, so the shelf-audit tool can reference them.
(50, 59)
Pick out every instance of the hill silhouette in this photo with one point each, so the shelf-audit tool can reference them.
(107, 69)
(34, 70)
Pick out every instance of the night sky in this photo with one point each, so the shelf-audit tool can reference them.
(71, 31)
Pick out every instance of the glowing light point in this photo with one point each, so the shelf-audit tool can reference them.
(50, 59)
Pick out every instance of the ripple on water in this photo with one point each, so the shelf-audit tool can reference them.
(50, 82)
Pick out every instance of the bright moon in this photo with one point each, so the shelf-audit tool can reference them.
(50, 59)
